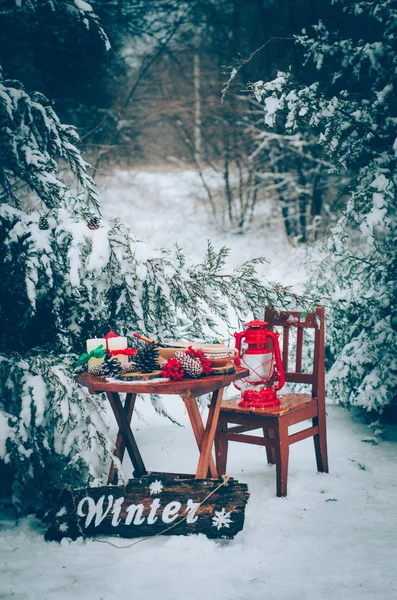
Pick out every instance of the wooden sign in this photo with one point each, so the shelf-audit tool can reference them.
(156, 504)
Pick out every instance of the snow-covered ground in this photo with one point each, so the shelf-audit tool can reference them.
(334, 536)
(162, 207)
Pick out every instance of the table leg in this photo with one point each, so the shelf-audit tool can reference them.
(209, 434)
(199, 431)
(120, 444)
(126, 434)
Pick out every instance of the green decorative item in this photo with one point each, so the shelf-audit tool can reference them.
(146, 359)
(97, 353)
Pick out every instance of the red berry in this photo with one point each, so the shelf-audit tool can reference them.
(173, 369)
(194, 353)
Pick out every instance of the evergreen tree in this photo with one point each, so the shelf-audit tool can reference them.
(65, 276)
(351, 104)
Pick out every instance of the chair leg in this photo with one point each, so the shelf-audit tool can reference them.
(270, 453)
(320, 444)
(221, 448)
(282, 456)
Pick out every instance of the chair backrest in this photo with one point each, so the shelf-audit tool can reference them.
(300, 321)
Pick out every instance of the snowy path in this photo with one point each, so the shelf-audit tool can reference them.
(334, 536)
(162, 207)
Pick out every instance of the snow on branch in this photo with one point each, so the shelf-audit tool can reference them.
(32, 139)
(78, 10)
(350, 105)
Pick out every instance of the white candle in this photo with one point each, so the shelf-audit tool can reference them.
(118, 343)
(93, 345)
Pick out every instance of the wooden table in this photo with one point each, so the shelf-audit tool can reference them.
(188, 389)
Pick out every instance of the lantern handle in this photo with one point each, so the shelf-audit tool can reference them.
(279, 363)
(238, 337)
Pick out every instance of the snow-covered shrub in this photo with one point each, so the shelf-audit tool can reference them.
(351, 105)
(66, 277)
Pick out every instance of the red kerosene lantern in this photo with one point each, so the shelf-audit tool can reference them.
(263, 359)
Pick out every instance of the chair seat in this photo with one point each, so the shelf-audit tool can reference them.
(288, 404)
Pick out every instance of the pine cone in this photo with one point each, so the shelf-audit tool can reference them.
(191, 366)
(15, 356)
(95, 370)
(146, 358)
(43, 223)
(111, 366)
(129, 367)
(93, 222)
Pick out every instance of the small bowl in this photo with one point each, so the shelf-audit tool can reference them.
(219, 362)
(177, 344)
(215, 348)
(174, 346)
(167, 353)
(219, 355)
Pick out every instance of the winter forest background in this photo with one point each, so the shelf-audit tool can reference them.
(283, 114)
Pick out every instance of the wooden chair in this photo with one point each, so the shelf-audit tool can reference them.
(294, 408)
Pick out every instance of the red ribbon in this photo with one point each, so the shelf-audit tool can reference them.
(108, 336)
(126, 352)
(111, 334)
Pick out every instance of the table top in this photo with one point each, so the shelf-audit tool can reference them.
(197, 387)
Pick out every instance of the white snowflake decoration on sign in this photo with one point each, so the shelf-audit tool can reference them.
(221, 519)
(156, 487)
(63, 527)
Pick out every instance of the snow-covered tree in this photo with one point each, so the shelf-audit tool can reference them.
(66, 275)
(289, 168)
(350, 102)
